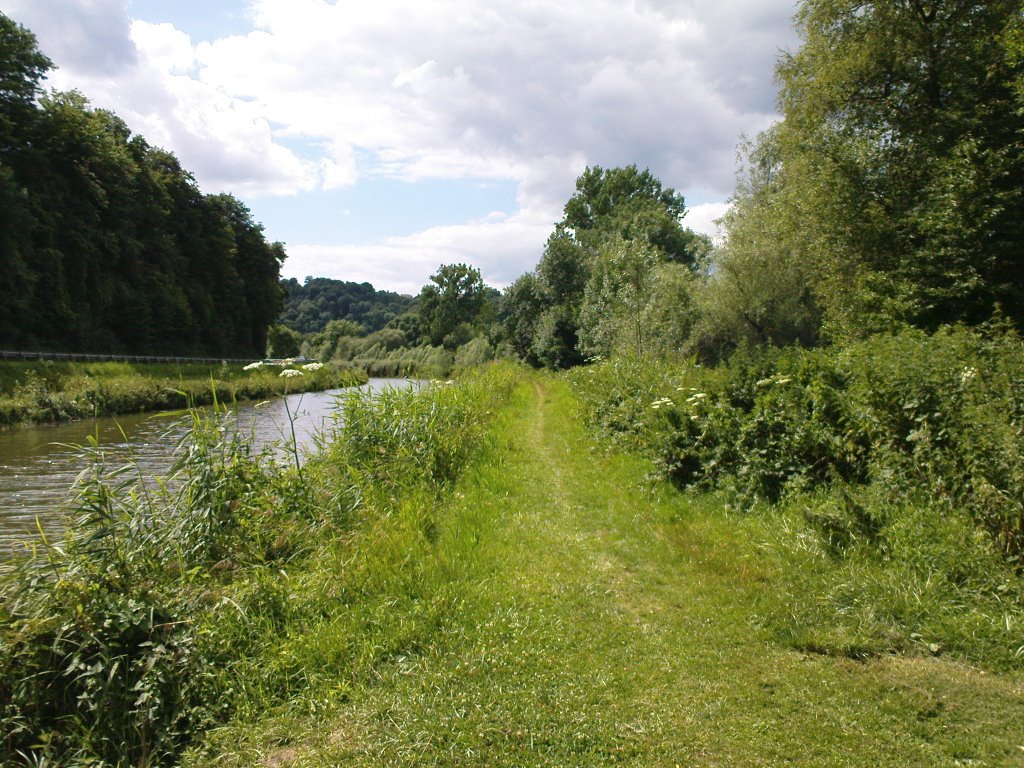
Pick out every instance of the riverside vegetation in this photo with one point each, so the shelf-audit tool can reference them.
(66, 391)
(793, 534)
(464, 576)
(237, 586)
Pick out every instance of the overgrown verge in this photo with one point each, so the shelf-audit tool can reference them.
(57, 391)
(241, 585)
(892, 473)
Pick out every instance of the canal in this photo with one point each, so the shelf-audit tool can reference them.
(39, 465)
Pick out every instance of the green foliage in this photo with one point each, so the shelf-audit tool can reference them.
(283, 342)
(521, 307)
(902, 454)
(613, 316)
(474, 353)
(110, 242)
(912, 413)
(555, 338)
(422, 361)
(455, 300)
(313, 304)
(169, 609)
(762, 289)
(597, 288)
(46, 392)
(900, 162)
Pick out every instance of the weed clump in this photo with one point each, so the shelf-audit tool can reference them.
(902, 456)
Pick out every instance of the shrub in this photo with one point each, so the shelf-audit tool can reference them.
(902, 454)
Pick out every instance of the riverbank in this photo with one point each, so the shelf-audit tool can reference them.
(568, 612)
(464, 577)
(55, 391)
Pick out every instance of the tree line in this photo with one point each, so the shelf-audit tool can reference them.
(309, 306)
(890, 195)
(106, 243)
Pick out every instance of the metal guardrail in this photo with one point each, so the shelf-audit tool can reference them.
(7, 354)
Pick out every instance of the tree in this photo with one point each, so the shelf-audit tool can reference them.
(614, 317)
(902, 153)
(521, 307)
(283, 342)
(106, 243)
(592, 287)
(762, 288)
(455, 297)
(22, 68)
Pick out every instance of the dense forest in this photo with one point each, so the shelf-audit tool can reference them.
(453, 321)
(106, 243)
(310, 305)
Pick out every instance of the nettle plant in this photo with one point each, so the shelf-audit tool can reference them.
(939, 414)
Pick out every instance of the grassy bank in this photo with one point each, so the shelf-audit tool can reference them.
(466, 576)
(889, 475)
(45, 391)
(242, 585)
(586, 617)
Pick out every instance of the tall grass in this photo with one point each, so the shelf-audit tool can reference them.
(893, 467)
(235, 586)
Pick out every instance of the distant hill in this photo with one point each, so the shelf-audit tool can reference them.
(309, 306)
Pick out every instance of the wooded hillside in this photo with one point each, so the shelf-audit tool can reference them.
(106, 243)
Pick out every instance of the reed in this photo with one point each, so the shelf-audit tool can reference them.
(233, 585)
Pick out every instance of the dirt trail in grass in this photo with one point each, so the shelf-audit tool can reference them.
(606, 624)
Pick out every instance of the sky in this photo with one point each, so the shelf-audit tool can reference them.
(379, 140)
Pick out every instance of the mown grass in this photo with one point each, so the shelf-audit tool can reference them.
(46, 391)
(595, 618)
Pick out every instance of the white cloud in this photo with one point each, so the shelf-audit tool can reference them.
(495, 244)
(518, 90)
(89, 37)
(701, 218)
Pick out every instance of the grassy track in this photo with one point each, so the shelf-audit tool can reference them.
(605, 622)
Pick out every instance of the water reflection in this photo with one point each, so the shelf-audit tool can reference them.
(39, 465)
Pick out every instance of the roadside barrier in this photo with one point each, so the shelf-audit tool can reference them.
(7, 354)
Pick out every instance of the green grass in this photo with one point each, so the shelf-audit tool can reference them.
(556, 608)
(45, 391)
(238, 586)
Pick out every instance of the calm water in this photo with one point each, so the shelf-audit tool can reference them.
(38, 465)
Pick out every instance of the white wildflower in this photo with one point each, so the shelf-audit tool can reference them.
(661, 402)
(696, 398)
(968, 374)
(312, 366)
(253, 366)
(291, 373)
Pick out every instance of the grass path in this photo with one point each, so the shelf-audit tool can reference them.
(603, 622)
